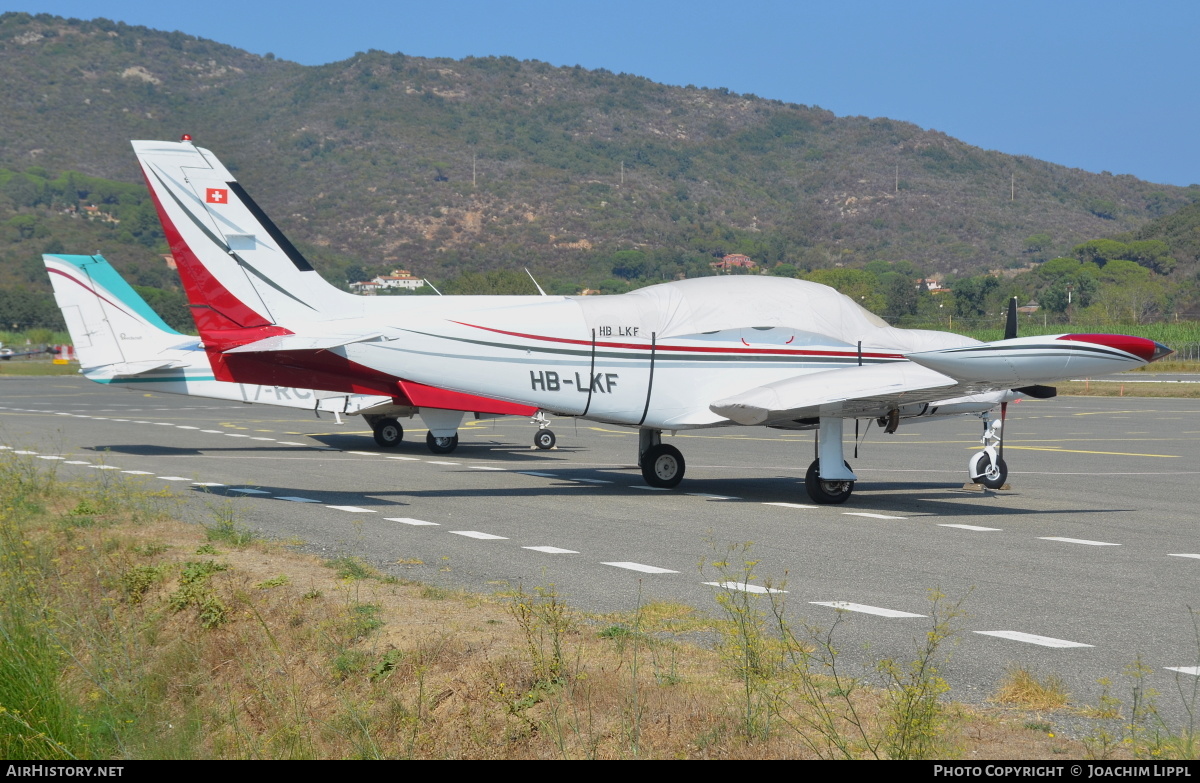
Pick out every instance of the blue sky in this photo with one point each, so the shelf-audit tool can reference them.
(1100, 85)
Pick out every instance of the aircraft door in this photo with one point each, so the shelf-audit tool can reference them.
(621, 379)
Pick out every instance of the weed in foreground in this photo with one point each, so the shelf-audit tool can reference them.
(351, 568)
(544, 621)
(1137, 726)
(745, 647)
(195, 591)
(794, 678)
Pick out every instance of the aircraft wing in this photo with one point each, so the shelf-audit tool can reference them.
(1019, 364)
(864, 389)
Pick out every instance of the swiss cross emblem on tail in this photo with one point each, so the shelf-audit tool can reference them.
(216, 195)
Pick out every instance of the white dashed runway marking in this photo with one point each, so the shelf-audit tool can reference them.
(876, 610)
(139, 472)
(297, 500)
(411, 521)
(744, 587)
(976, 528)
(870, 515)
(1029, 638)
(551, 550)
(712, 497)
(174, 478)
(250, 491)
(1077, 541)
(1185, 555)
(645, 569)
(1194, 670)
(477, 534)
(788, 505)
(352, 509)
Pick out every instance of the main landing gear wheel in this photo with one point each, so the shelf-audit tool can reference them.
(986, 472)
(662, 466)
(544, 439)
(441, 445)
(388, 433)
(826, 493)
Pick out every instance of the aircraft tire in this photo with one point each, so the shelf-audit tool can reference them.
(544, 439)
(825, 493)
(441, 445)
(663, 466)
(983, 472)
(388, 433)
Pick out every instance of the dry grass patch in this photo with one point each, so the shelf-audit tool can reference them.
(1022, 688)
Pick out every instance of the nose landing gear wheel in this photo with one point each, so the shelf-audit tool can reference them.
(826, 493)
(544, 439)
(986, 472)
(388, 433)
(441, 445)
(662, 466)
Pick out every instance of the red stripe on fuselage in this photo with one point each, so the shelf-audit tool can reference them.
(684, 348)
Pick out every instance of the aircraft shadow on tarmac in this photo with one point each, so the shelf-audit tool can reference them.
(494, 449)
(144, 450)
(922, 499)
(300, 496)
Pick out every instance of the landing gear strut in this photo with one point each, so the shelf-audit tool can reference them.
(829, 479)
(544, 438)
(662, 465)
(987, 467)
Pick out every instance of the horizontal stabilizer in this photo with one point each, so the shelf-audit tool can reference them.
(149, 365)
(804, 395)
(297, 342)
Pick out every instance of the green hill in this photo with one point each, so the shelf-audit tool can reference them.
(445, 165)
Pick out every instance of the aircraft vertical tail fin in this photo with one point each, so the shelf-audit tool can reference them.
(239, 270)
(109, 322)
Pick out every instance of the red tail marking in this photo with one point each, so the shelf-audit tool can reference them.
(224, 320)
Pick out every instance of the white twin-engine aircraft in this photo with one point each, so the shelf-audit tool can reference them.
(707, 352)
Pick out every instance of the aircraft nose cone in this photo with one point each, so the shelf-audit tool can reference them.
(1160, 351)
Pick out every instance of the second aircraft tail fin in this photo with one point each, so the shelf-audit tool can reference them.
(110, 324)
